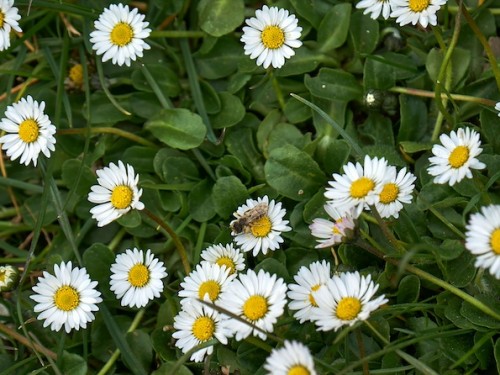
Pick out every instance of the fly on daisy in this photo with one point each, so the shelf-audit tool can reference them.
(271, 36)
(8, 20)
(422, 12)
(455, 157)
(68, 298)
(136, 277)
(294, 358)
(224, 255)
(29, 131)
(120, 34)
(116, 193)
(329, 233)
(396, 190)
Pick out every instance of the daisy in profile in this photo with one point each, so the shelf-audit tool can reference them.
(455, 157)
(422, 12)
(225, 255)
(271, 36)
(358, 187)
(67, 298)
(346, 299)
(29, 131)
(8, 20)
(257, 298)
(116, 193)
(375, 8)
(293, 358)
(258, 225)
(482, 238)
(329, 233)
(8, 278)
(120, 34)
(308, 281)
(396, 190)
(196, 324)
(136, 277)
(206, 282)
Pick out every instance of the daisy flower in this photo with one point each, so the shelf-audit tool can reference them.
(196, 324)
(116, 193)
(396, 190)
(497, 108)
(329, 232)
(454, 159)
(293, 358)
(228, 256)
(309, 280)
(67, 298)
(8, 278)
(29, 131)
(482, 238)
(346, 299)
(120, 34)
(416, 11)
(270, 36)
(8, 20)
(257, 298)
(206, 282)
(375, 8)
(136, 278)
(358, 187)
(258, 225)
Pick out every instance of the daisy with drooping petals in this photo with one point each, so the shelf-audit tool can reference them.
(375, 8)
(224, 255)
(329, 232)
(454, 159)
(416, 11)
(293, 358)
(358, 187)
(309, 280)
(346, 299)
(271, 36)
(396, 190)
(29, 131)
(120, 34)
(67, 298)
(196, 324)
(258, 225)
(482, 238)
(8, 20)
(136, 278)
(116, 193)
(257, 298)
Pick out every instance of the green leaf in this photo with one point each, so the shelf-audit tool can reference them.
(232, 111)
(228, 193)
(334, 84)
(103, 111)
(378, 75)
(460, 61)
(73, 364)
(221, 61)
(74, 174)
(178, 128)
(220, 17)
(143, 348)
(165, 368)
(98, 259)
(409, 289)
(166, 79)
(489, 127)
(240, 143)
(201, 204)
(364, 32)
(478, 317)
(333, 29)
(413, 119)
(497, 354)
(413, 147)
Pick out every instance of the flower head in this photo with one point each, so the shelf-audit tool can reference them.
(329, 232)
(8, 278)
(397, 188)
(8, 20)
(258, 298)
(416, 11)
(454, 159)
(346, 299)
(497, 108)
(116, 193)
(292, 359)
(271, 36)
(258, 225)
(136, 277)
(120, 34)
(29, 131)
(227, 256)
(375, 8)
(67, 298)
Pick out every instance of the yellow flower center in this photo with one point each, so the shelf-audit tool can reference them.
(210, 287)
(311, 298)
(361, 187)
(348, 308)
(138, 275)
(389, 193)
(66, 298)
(121, 197)
(122, 34)
(419, 5)
(203, 328)
(28, 130)
(495, 241)
(76, 74)
(3, 276)
(261, 227)
(298, 370)
(2, 18)
(459, 156)
(228, 262)
(255, 307)
(273, 37)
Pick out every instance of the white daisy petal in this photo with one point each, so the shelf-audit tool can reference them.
(225, 256)
(416, 11)
(292, 358)
(9, 15)
(375, 7)
(397, 188)
(329, 233)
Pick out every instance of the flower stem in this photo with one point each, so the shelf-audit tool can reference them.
(109, 130)
(277, 89)
(431, 94)
(385, 230)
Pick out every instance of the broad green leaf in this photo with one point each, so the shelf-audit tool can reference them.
(409, 289)
(364, 32)
(490, 126)
(103, 111)
(210, 98)
(497, 354)
(334, 84)
(98, 259)
(74, 174)
(232, 111)
(143, 348)
(304, 61)
(378, 75)
(478, 317)
(166, 79)
(460, 61)
(240, 143)
(73, 364)
(201, 205)
(220, 17)
(222, 60)
(227, 194)
(413, 124)
(413, 147)
(333, 29)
